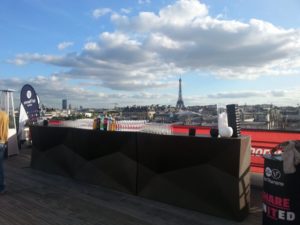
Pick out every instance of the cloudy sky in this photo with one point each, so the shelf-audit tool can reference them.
(99, 53)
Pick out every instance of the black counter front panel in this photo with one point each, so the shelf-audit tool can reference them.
(196, 173)
(103, 158)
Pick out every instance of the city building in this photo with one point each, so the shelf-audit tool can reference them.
(135, 113)
(64, 104)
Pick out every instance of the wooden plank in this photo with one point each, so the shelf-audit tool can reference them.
(34, 197)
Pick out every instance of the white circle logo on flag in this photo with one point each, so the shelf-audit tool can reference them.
(268, 172)
(28, 94)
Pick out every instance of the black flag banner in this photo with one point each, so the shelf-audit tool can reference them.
(30, 102)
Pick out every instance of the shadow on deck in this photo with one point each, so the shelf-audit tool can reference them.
(35, 197)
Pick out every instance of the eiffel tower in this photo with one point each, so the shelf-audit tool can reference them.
(180, 104)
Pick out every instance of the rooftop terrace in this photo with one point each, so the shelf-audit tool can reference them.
(34, 197)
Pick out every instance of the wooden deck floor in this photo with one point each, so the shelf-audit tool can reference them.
(34, 197)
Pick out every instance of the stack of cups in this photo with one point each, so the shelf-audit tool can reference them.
(233, 116)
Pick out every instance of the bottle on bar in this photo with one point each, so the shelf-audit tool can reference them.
(109, 123)
(101, 123)
(108, 126)
(97, 123)
(105, 122)
(113, 125)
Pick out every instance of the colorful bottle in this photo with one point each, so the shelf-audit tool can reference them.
(105, 121)
(101, 123)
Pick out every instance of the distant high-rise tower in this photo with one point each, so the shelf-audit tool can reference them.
(64, 104)
(180, 104)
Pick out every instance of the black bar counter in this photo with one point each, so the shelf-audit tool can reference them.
(103, 158)
(206, 174)
(202, 173)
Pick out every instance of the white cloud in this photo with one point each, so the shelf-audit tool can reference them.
(65, 61)
(56, 87)
(146, 50)
(240, 94)
(64, 45)
(158, 40)
(126, 11)
(280, 97)
(118, 39)
(97, 13)
(53, 89)
(17, 61)
(91, 46)
(185, 36)
(183, 12)
(144, 1)
(226, 48)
